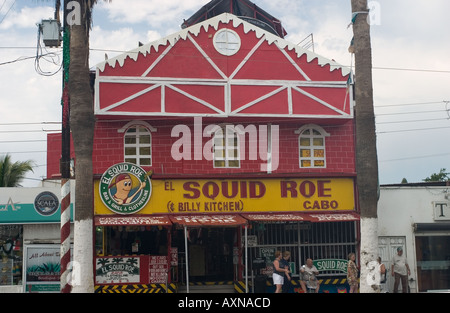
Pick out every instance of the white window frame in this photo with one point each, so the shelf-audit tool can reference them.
(230, 45)
(139, 126)
(311, 147)
(225, 134)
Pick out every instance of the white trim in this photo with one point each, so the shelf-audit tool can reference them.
(152, 66)
(247, 57)
(134, 123)
(227, 82)
(311, 147)
(226, 147)
(294, 64)
(204, 103)
(134, 96)
(227, 52)
(214, 22)
(207, 58)
(320, 101)
(266, 96)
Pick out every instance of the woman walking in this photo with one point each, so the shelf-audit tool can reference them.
(352, 273)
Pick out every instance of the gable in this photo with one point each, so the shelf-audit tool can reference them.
(255, 74)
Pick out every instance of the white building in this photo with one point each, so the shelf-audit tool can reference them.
(417, 218)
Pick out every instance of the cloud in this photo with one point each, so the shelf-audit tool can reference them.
(26, 18)
(154, 13)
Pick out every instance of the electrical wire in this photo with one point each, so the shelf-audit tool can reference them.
(7, 11)
(41, 56)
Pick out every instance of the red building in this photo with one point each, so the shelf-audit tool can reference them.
(216, 146)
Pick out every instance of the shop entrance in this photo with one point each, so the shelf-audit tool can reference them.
(211, 254)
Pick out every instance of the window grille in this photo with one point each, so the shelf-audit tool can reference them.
(137, 146)
(226, 148)
(327, 240)
(311, 142)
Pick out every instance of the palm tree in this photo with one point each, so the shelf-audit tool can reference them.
(82, 125)
(11, 174)
(366, 151)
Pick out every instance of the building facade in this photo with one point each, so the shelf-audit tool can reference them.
(214, 147)
(416, 217)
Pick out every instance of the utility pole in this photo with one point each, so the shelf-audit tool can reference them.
(65, 155)
(366, 150)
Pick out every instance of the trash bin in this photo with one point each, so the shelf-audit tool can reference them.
(260, 283)
(260, 279)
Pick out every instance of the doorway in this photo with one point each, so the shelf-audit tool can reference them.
(211, 254)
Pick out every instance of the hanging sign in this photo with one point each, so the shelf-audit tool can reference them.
(110, 270)
(125, 188)
(158, 268)
(331, 265)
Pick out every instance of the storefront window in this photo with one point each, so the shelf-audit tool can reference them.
(131, 240)
(433, 262)
(11, 255)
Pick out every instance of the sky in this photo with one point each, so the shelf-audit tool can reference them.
(410, 56)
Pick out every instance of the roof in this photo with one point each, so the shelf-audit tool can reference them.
(214, 22)
(245, 9)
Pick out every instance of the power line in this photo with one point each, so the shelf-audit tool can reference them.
(7, 11)
(125, 51)
(414, 121)
(418, 112)
(411, 130)
(417, 157)
(407, 104)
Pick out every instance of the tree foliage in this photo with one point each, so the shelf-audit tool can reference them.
(12, 174)
(441, 176)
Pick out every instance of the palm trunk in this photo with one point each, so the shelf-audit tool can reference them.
(366, 151)
(82, 123)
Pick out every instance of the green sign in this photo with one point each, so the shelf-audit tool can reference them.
(31, 205)
(125, 188)
(331, 265)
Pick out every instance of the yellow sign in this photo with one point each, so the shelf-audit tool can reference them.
(245, 195)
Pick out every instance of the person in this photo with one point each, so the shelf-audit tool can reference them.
(382, 269)
(400, 270)
(284, 263)
(278, 272)
(352, 273)
(124, 184)
(309, 277)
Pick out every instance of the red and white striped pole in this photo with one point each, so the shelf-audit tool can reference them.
(65, 235)
(65, 159)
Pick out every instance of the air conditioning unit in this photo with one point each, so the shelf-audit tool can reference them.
(51, 32)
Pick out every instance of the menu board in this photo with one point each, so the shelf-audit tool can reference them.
(158, 268)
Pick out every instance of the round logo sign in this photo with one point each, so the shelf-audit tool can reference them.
(125, 188)
(46, 203)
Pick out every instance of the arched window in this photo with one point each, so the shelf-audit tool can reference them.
(226, 148)
(138, 143)
(311, 142)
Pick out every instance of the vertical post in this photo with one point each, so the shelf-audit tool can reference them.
(65, 160)
(187, 258)
(246, 260)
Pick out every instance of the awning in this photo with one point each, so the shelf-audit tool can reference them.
(302, 217)
(431, 227)
(276, 217)
(222, 220)
(157, 220)
(333, 217)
